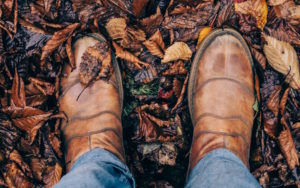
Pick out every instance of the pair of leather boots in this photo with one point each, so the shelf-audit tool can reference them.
(221, 95)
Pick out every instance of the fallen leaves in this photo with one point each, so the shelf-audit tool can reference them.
(283, 58)
(288, 148)
(57, 39)
(255, 8)
(177, 51)
(116, 28)
(203, 33)
(155, 44)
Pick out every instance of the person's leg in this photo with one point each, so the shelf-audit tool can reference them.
(221, 95)
(97, 168)
(221, 168)
(92, 131)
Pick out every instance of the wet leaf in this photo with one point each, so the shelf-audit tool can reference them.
(179, 50)
(283, 58)
(57, 39)
(255, 8)
(288, 148)
(203, 33)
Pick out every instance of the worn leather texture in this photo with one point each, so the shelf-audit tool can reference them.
(94, 120)
(221, 96)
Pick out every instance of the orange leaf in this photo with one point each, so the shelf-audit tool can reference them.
(203, 33)
(255, 8)
(57, 39)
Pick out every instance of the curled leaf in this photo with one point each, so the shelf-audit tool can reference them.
(203, 33)
(255, 8)
(283, 58)
(179, 50)
(70, 53)
(57, 39)
(123, 54)
(18, 91)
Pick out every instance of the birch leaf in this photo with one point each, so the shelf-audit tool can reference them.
(283, 58)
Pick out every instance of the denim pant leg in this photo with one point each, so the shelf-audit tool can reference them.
(97, 168)
(221, 168)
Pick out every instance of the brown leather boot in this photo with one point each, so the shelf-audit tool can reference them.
(94, 120)
(221, 96)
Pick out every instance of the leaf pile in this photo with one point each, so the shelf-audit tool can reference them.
(154, 42)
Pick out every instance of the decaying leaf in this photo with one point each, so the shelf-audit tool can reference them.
(203, 33)
(175, 69)
(255, 8)
(288, 149)
(179, 50)
(123, 54)
(57, 39)
(150, 23)
(147, 75)
(14, 177)
(44, 87)
(176, 87)
(116, 28)
(283, 58)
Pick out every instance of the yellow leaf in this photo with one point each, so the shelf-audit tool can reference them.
(178, 50)
(283, 58)
(204, 32)
(256, 8)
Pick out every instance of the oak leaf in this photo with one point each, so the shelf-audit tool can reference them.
(255, 8)
(178, 50)
(57, 39)
(283, 58)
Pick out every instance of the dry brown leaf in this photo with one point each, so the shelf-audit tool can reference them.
(123, 54)
(18, 91)
(15, 16)
(176, 87)
(57, 39)
(52, 175)
(282, 9)
(176, 69)
(14, 177)
(288, 149)
(260, 58)
(116, 28)
(273, 100)
(70, 53)
(44, 87)
(276, 2)
(28, 119)
(294, 12)
(17, 158)
(139, 7)
(255, 8)
(146, 75)
(31, 27)
(296, 125)
(270, 126)
(283, 58)
(182, 93)
(153, 48)
(203, 33)
(178, 50)
(37, 166)
(284, 101)
(157, 38)
(152, 22)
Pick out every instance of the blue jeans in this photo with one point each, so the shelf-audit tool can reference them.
(100, 168)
